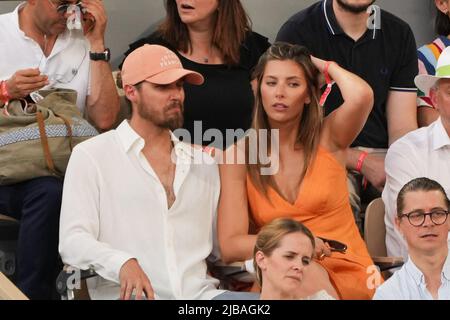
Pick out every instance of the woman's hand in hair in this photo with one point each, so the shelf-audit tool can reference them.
(320, 65)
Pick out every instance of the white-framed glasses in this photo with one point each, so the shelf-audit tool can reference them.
(70, 74)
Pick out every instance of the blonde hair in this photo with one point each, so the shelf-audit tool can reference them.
(271, 235)
(311, 119)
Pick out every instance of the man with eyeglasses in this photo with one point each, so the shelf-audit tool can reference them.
(422, 219)
(422, 153)
(37, 50)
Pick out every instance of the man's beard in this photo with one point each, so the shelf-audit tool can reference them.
(160, 120)
(354, 8)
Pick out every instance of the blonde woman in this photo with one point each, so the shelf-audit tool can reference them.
(284, 249)
(310, 185)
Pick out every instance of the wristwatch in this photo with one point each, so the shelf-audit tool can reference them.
(101, 56)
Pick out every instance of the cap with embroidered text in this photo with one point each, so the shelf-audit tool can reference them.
(158, 65)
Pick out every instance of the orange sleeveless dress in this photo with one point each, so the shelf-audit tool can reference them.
(323, 206)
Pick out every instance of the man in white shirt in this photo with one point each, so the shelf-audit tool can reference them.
(38, 51)
(422, 153)
(136, 207)
(422, 219)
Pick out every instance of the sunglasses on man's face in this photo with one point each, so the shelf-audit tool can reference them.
(61, 7)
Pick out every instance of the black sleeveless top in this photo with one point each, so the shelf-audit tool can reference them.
(225, 100)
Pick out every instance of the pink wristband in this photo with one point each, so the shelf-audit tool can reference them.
(329, 82)
(325, 71)
(361, 159)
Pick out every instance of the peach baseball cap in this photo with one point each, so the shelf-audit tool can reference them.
(156, 64)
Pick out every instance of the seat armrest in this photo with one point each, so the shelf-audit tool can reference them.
(72, 276)
(225, 270)
(6, 218)
(386, 263)
(234, 271)
(8, 291)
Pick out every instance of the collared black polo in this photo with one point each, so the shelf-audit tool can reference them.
(385, 57)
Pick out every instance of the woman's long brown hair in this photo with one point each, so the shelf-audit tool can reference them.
(311, 120)
(231, 26)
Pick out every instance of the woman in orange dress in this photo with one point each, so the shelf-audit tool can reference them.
(308, 179)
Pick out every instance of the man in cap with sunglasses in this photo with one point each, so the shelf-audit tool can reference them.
(37, 51)
(422, 219)
(422, 153)
(138, 207)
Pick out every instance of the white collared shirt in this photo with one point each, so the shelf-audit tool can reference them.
(115, 208)
(68, 62)
(409, 284)
(422, 153)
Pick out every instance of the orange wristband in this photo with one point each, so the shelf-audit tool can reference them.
(361, 159)
(4, 95)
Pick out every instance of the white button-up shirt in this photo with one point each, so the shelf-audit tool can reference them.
(409, 284)
(69, 61)
(422, 153)
(115, 208)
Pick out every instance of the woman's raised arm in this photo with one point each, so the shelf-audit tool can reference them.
(344, 124)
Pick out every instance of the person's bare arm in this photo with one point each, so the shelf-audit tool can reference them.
(372, 168)
(233, 217)
(344, 124)
(401, 114)
(426, 116)
(402, 118)
(103, 101)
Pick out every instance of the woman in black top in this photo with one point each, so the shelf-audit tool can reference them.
(214, 38)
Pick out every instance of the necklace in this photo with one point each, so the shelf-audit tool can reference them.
(206, 59)
(43, 51)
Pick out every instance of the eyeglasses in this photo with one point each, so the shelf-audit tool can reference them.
(417, 218)
(69, 75)
(62, 8)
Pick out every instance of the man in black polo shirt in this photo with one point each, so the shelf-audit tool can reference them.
(381, 49)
